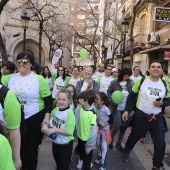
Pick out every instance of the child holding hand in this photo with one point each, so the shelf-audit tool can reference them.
(62, 124)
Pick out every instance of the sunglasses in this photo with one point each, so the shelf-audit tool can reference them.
(24, 62)
(88, 71)
(60, 70)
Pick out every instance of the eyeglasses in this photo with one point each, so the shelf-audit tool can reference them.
(24, 62)
(88, 71)
(60, 70)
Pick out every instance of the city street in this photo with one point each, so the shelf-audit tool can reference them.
(140, 157)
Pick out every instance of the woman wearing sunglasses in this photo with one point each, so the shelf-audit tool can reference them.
(34, 95)
(59, 82)
(88, 83)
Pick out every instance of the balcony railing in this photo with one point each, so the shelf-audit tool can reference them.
(140, 41)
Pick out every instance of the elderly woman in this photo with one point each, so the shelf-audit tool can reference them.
(88, 83)
(34, 95)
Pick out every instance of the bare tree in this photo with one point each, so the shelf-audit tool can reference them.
(2, 45)
(40, 12)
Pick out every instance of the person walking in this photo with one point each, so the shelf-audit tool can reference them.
(103, 135)
(48, 77)
(105, 80)
(34, 95)
(123, 84)
(153, 94)
(62, 125)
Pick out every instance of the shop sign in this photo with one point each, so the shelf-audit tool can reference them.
(162, 14)
(167, 55)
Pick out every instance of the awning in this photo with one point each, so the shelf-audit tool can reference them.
(155, 49)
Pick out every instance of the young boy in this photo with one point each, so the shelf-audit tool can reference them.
(86, 127)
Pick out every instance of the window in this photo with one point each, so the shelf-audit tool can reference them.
(81, 8)
(81, 16)
(81, 25)
(72, 8)
(92, 6)
(72, 16)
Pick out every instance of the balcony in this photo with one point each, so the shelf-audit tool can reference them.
(140, 41)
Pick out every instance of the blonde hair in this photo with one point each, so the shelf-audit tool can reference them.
(67, 92)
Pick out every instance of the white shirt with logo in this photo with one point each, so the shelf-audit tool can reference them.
(148, 93)
(74, 81)
(58, 85)
(104, 84)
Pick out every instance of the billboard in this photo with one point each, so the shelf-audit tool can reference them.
(162, 14)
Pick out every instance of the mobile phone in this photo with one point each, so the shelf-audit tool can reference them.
(159, 99)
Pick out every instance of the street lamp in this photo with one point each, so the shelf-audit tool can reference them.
(125, 25)
(103, 49)
(25, 21)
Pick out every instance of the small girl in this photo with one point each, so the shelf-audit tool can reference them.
(103, 136)
(62, 124)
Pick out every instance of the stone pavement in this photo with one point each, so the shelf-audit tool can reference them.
(140, 157)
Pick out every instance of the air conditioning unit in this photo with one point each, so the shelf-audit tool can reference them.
(167, 40)
(153, 38)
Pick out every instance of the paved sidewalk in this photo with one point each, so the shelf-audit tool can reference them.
(140, 157)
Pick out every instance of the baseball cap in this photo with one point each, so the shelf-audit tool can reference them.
(114, 69)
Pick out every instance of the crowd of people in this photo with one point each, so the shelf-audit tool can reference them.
(61, 102)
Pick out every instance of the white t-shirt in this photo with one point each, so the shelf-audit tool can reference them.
(100, 74)
(49, 81)
(84, 86)
(94, 77)
(135, 78)
(148, 93)
(121, 106)
(29, 90)
(104, 84)
(58, 85)
(74, 81)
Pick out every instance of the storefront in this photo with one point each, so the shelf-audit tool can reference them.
(158, 53)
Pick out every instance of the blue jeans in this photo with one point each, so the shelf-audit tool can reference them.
(156, 128)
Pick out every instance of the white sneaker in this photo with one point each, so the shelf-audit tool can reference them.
(80, 164)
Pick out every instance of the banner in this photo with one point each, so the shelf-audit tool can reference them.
(57, 55)
(162, 14)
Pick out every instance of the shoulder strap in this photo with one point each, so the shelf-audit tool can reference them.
(141, 82)
(81, 81)
(165, 84)
(3, 93)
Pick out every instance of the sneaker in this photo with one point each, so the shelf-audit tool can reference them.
(102, 167)
(80, 164)
(125, 156)
(98, 160)
(71, 166)
(142, 140)
(91, 165)
(111, 146)
(119, 147)
(154, 168)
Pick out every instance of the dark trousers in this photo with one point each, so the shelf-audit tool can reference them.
(62, 155)
(156, 128)
(86, 158)
(30, 141)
